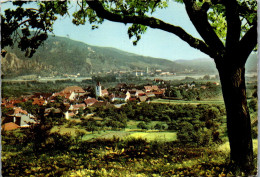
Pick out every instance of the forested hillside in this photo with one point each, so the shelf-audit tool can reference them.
(61, 55)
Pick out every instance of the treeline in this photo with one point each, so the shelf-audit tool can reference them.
(210, 91)
(199, 124)
(18, 89)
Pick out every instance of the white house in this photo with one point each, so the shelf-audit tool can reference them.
(121, 97)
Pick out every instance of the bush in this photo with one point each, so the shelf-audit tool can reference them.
(79, 134)
(158, 126)
(172, 125)
(136, 143)
(142, 125)
(90, 125)
(253, 104)
(202, 137)
(57, 141)
(71, 124)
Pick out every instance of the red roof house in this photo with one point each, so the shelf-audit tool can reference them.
(104, 92)
(18, 110)
(151, 88)
(76, 89)
(10, 126)
(90, 101)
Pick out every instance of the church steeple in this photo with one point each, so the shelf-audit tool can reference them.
(98, 90)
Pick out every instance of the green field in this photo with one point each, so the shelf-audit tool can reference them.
(64, 130)
(166, 101)
(155, 136)
(131, 132)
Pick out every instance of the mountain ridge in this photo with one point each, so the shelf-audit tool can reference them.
(60, 55)
(66, 56)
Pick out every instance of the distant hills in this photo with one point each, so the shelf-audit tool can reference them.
(60, 55)
(204, 65)
(207, 65)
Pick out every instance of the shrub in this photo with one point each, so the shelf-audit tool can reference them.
(172, 125)
(158, 126)
(71, 124)
(142, 125)
(79, 134)
(202, 137)
(136, 143)
(60, 142)
(253, 104)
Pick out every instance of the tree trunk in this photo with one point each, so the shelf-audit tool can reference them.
(232, 77)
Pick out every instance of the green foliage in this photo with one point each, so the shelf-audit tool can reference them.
(186, 93)
(29, 107)
(159, 127)
(90, 125)
(104, 79)
(218, 22)
(206, 77)
(5, 111)
(136, 30)
(79, 134)
(142, 125)
(71, 124)
(43, 17)
(13, 139)
(58, 142)
(253, 104)
(127, 8)
(17, 24)
(114, 157)
(199, 125)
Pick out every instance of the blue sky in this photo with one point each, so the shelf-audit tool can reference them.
(154, 43)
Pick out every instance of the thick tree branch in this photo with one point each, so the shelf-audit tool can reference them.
(215, 2)
(199, 18)
(151, 22)
(27, 20)
(233, 25)
(248, 42)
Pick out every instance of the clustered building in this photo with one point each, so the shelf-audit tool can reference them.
(68, 102)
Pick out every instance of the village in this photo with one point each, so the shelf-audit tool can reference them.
(73, 99)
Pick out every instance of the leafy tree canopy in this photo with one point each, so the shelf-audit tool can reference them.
(212, 19)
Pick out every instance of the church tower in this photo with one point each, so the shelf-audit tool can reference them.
(98, 90)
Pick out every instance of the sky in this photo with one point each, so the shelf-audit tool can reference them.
(154, 43)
